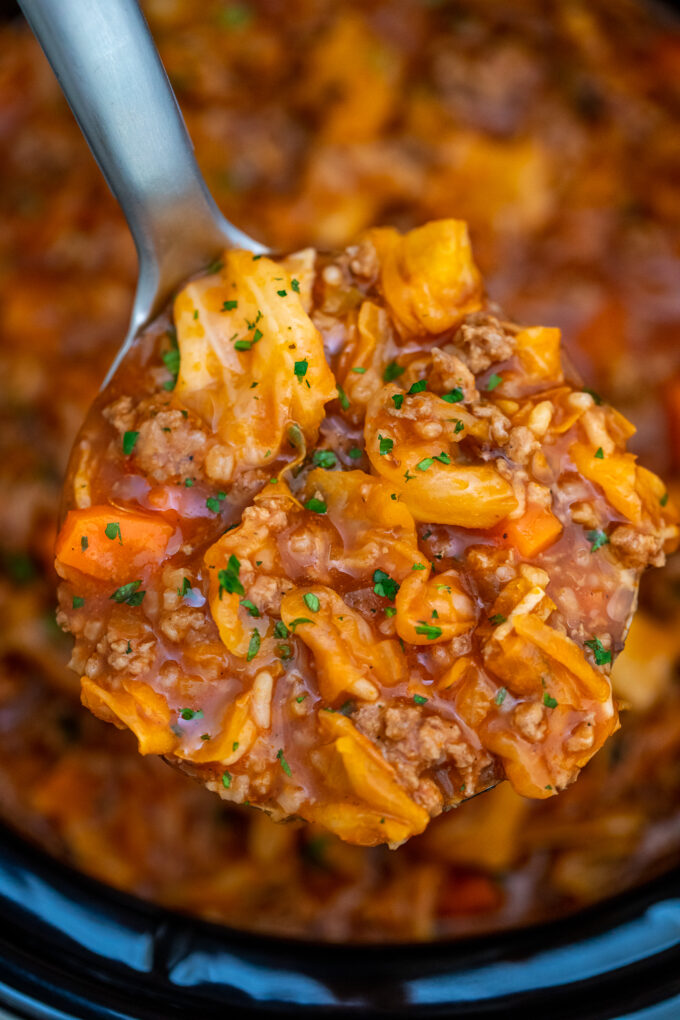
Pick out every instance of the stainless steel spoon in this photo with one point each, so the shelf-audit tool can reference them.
(105, 60)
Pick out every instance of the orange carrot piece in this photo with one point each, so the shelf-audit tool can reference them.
(111, 544)
(533, 532)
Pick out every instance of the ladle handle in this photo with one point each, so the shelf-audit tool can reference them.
(106, 62)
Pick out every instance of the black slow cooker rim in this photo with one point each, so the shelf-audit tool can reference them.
(72, 947)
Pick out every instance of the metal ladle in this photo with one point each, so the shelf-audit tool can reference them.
(105, 60)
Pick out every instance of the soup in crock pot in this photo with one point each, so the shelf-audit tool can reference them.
(550, 128)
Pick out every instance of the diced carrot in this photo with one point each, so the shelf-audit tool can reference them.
(533, 532)
(111, 544)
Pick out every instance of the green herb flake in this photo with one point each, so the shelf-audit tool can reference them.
(213, 504)
(359, 370)
(500, 696)
(417, 387)
(428, 630)
(355, 453)
(418, 566)
(78, 601)
(195, 313)
(664, 499)
(386, 445)
(419, 699)
(300, 698)
(226, 780)
(129, 440)
(398, 400)
(317, 506)
(282, 293)
(497, 619)
(280, 629)
(311, 601)
(301, 369)
(228, 578)
(392, 371)
(324, 458)
(390, 611)
(602, 655)
(425, 463)
(185, 588)
(295, 284)
(494, 381)
(190, 713)
(188, 482)
(343, 398)
(294, 624)
(384, 585)
(549, 701)
(443, 457)
(171, 361)
(597, 539)
(129, 593)
(596, 396)
(229, 306)
(205, 736)
(454, 396)
(253, 644)
(84, 542)
(251, 607)
(599, 453)
(214, 267)
(112, 531)
(284, 764)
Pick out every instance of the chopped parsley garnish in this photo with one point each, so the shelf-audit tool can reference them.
(205, 736)
(185, 589)
(188, 482)
(228, 578)
(317, 506)
(311, 601)
(597, 539)
(418, 387)
(419, 699)
(500, 695)
(392, 371)
(418, 566)
(355, 453)
(459, 426)
(494, 381)
(171, 362)
(454, 396)
(602, 655)
(84, 542)
(443, 457)
(282, 293)
(390, 611)
(398, 400)
(195, 313)
(280, 629)
(284, 764)
(112, 531)
(300, 698)
(251, 607)
(425, 463)
(359, 370)
(297, 621)
(190, 713)
(215, 267)
(549, 701)
(343, 398)
(129, 593)
(226, 780)
(129, 440)
(384, 585)
(324, 458)
(253, 644)
(386, 445)
(599, 453)
(664, 499)
(295, 284)
(428, 630)
(214, 503)
(78, 601)
(301, 368)
(497, 619)
(284, 651)
(229, 306)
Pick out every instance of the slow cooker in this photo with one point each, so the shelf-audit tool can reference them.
(71, 947)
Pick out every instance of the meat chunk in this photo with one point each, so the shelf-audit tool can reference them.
(481, 342)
